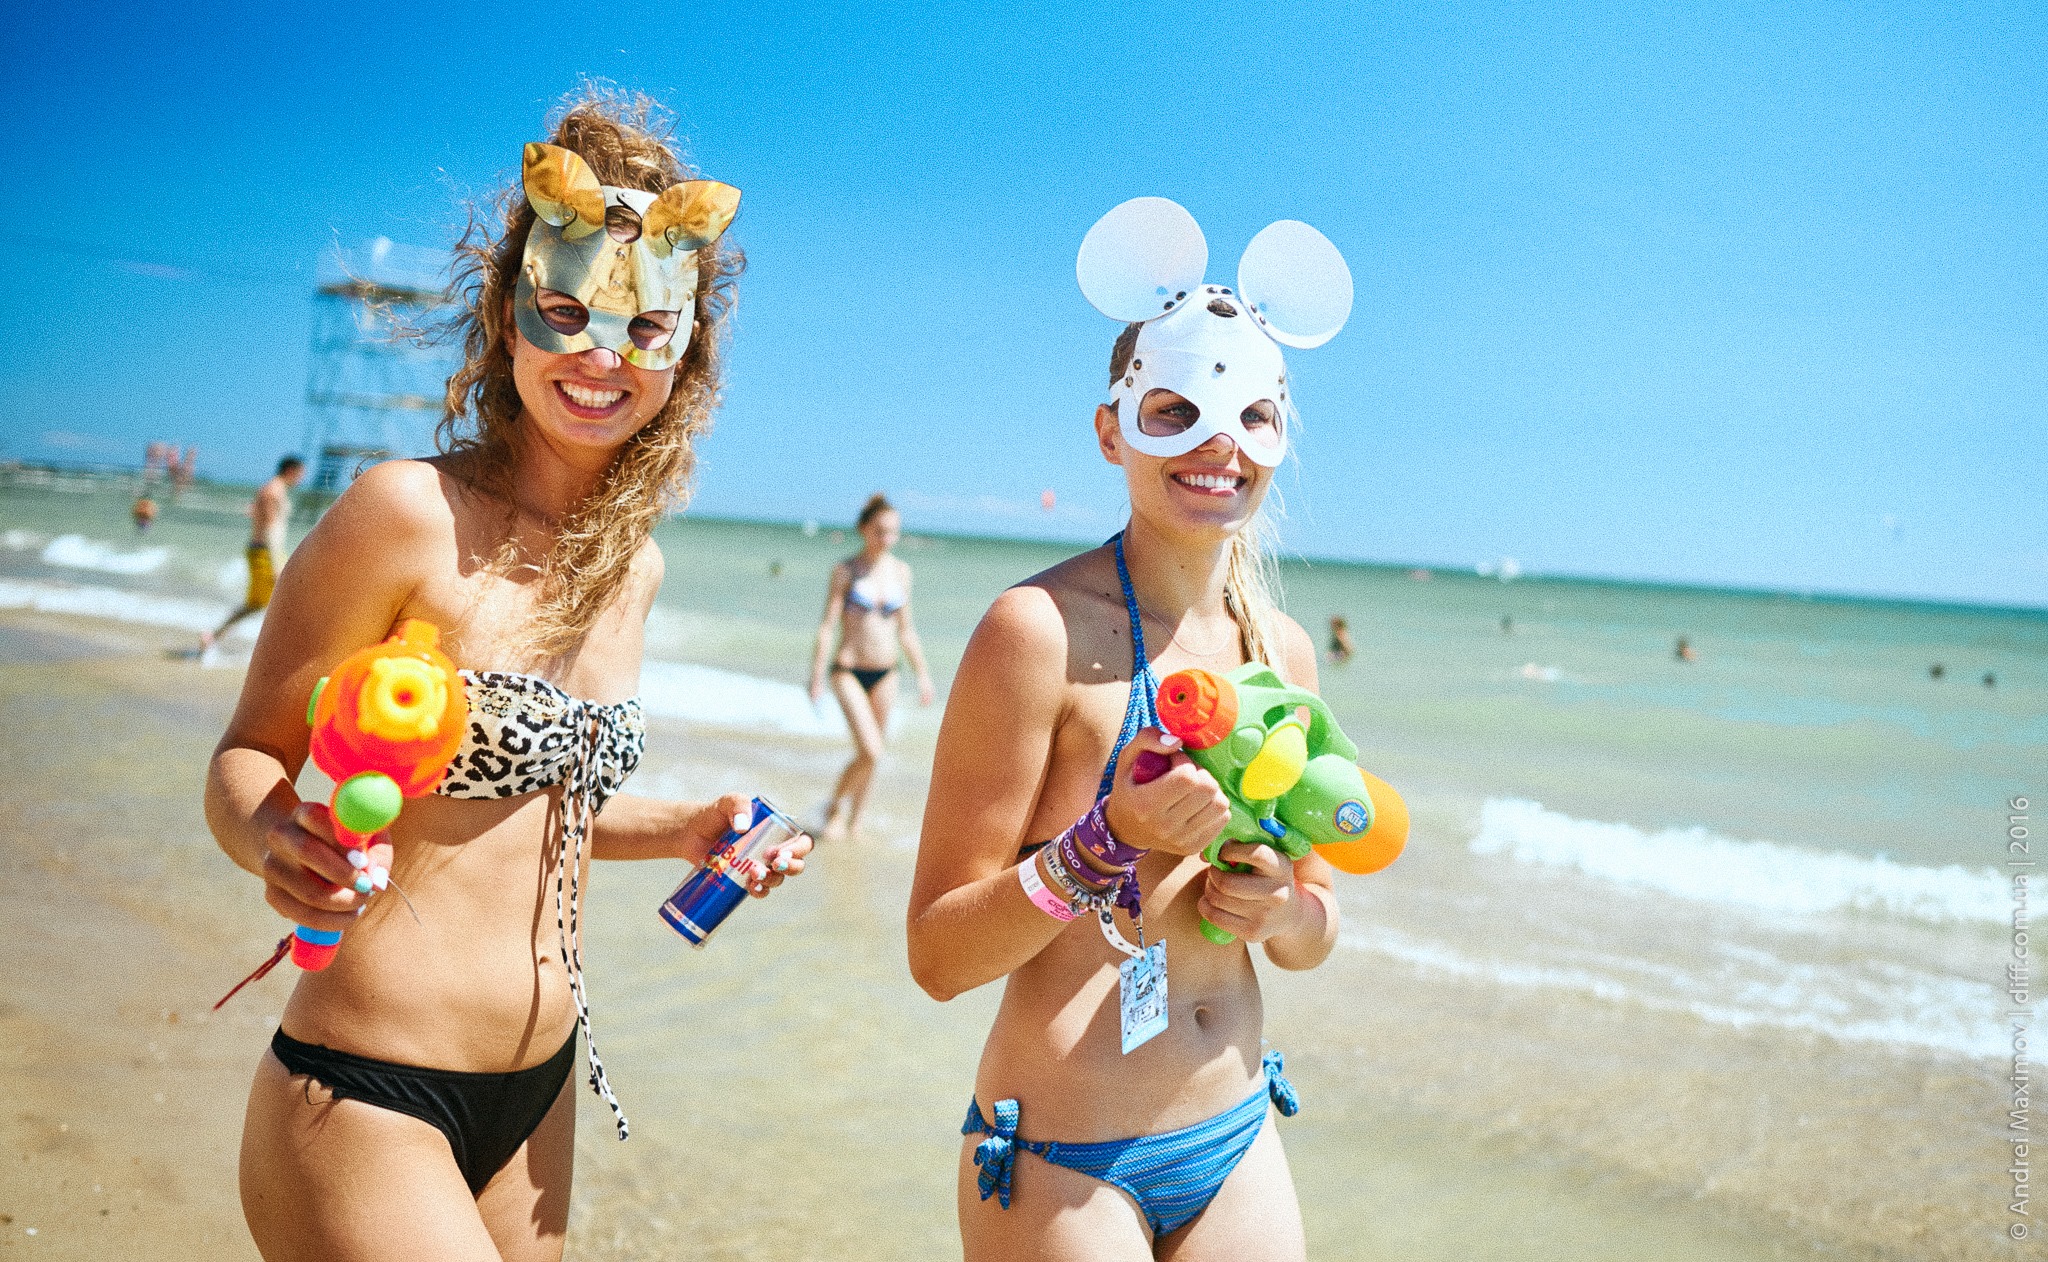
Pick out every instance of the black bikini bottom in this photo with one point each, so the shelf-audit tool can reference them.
(867, 679)
(486, 1117)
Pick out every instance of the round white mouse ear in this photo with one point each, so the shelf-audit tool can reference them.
(1142, 259)
(1296, 283)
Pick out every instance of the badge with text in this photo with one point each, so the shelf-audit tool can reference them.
(1142, 986)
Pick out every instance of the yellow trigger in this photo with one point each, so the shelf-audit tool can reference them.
(1279, 762)
(403, 699)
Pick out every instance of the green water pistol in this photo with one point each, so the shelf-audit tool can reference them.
(1289, 771)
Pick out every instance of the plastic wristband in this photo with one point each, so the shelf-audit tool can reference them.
(1041, 897)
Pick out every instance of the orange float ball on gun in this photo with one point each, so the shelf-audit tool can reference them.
(386, 724)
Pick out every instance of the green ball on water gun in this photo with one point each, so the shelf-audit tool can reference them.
(1288, 769)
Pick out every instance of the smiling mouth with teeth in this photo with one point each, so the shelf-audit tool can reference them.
(1210, 481)
(586, 397)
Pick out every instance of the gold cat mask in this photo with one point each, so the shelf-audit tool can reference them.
(613, 267)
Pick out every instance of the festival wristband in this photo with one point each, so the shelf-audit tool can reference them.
(1091, 833)
(1075, 869)
(1041, 897)
(1060, 870)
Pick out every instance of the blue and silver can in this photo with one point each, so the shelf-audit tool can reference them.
(740, 859)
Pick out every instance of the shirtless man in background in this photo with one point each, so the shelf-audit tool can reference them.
(267, 513)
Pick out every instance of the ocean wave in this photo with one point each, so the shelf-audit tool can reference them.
(726, 698)
(119, 606)
(1904, 1008)
(1695, 864)
(76, 552)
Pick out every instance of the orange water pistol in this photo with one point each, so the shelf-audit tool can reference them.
(386, 724)
(1288, 769)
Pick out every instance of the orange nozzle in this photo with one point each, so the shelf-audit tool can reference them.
(1198, 706)
(396, 708)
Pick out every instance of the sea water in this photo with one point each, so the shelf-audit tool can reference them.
(1711, 881)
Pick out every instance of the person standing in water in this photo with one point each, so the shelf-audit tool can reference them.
(867, 612)
(267, 513)
(1341, 647)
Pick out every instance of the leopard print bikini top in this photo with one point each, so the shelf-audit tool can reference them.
(525, 735)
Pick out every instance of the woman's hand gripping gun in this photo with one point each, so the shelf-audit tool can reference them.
(386, 724)
(1288, 769)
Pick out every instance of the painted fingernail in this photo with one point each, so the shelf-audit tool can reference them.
(740, 820)
(380, 877)
(358, 860)
(363, 884)
(1169, 740)
(782, 862)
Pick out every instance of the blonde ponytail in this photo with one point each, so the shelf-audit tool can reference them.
(1249, 580)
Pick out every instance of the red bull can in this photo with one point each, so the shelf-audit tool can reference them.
(740, 859)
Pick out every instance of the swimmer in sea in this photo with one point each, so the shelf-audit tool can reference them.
(867, 611)
(1341, 648)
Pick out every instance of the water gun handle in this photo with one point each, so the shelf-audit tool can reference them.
(313, 949)
(1148, 766)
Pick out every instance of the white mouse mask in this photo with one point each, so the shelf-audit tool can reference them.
(1219, 350)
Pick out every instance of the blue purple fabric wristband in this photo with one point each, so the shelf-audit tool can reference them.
(1091, 834)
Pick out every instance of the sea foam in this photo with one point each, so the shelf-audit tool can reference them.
(76, 552)
(1907, 1008)
(117, 606)
(1703, 866)
(725, 698)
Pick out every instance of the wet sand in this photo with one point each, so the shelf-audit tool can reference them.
(795, 1096)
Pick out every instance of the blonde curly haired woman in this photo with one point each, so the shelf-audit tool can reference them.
(416, 1100)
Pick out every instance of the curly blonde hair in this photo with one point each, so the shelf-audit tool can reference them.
(627, 138)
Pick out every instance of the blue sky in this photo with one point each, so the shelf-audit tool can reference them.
(1736, 294)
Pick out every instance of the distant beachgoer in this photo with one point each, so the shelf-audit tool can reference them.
(1115, 1116)
(1507, 625)
(775, 569)
(1340, 640)
(1990, 680)
(867, 611)
(1936, 671)
(144, 512)
(1684, 652)
(419, 1097)
(267, 514)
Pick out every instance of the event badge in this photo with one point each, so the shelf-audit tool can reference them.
(1142, 986)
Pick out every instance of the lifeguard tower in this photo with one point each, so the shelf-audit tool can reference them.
(371, 391)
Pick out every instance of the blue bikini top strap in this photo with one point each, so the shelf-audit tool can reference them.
(1138, 711)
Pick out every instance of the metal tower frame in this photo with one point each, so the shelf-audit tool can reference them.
(371, 392)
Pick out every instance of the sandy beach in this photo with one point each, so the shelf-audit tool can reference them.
(795, 1096)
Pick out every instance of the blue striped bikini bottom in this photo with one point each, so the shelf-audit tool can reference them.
(1172, 1176)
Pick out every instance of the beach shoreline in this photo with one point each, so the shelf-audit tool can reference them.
(1444, 1115)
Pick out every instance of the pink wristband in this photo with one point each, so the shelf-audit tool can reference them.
(1041, 897)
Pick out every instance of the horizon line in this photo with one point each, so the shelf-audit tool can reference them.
(1435, 568)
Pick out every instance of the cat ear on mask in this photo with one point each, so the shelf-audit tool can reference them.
(689, 216)
(1295, 283)
(1142, 259)
(562, 189)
